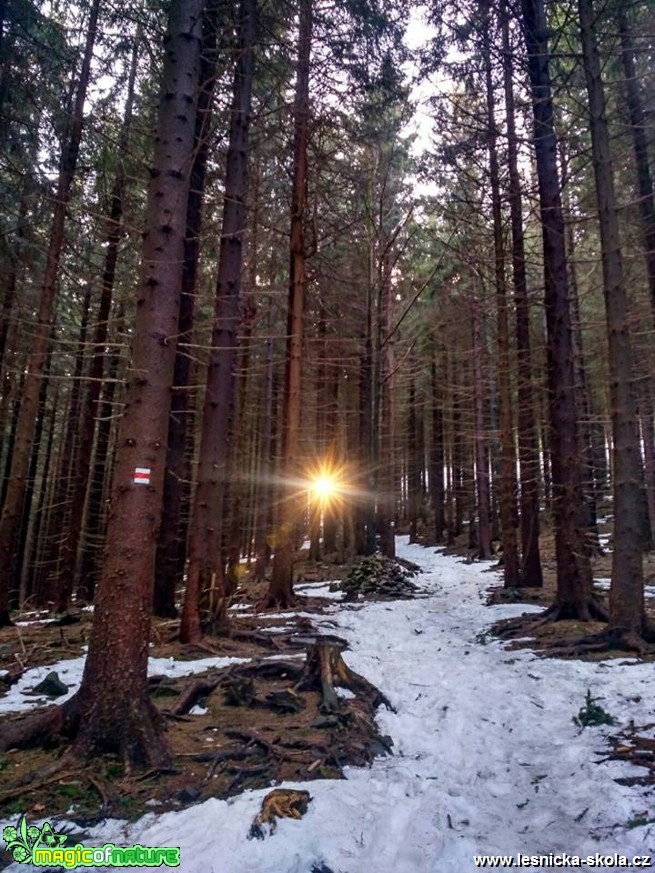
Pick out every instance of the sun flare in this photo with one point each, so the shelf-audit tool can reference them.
(325, 486)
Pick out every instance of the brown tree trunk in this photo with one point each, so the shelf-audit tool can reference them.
(205, 568)
(530, 573)
(280, 591)
(481, 447)
(384, 437)
(437, 455)
(508, 455)
(648, 440)
(582, 388)
(413, 463)
(89, 411)
(112, 705)
(171, 549)
(627, 588)
(640, 145)
(567, 500)
(94, 521)
(58, 588)
(458, 495)
(11, 512)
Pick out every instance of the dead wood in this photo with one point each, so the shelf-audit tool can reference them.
(35, 729)
(191, 694)
(325, 669)
(281, 802)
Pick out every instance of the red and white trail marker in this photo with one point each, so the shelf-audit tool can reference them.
(142, 475)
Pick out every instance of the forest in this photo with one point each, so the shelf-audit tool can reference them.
(292, 294)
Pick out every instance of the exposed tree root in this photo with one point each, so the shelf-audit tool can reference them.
(31, 730)
(134, 735)
(593, 610)
(325, 668)
(133, 732)
(613, 639)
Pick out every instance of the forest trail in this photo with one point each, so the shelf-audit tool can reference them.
(487, 758)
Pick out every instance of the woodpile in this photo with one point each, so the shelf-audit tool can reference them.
(379, 577)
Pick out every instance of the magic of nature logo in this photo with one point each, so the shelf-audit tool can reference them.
(42, 847)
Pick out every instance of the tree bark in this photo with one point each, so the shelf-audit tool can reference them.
(437, 454)
(281, 588)
(58, 587)
(573, 566)
(530, 571)
(89, 411)
(205, 567)
(507, 451)
(481, 447)
(640, 145)
(171, 549)
(11, 512)
(627, 588)
(112, 707)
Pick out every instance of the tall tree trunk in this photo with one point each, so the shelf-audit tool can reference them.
(481, 447)
(30, 556)
(89, 411)
(627, 588)
(172, 535)
(640, 145)
(384, 437)
(112, 707)
(530, 573)
(11, 512)
(437, 454)
(582, 387)
(23, 531)
(281, 588)
(59, 586)
(648, 440)
(205, 569)
(413, 468)
(508, 455)
(92, 539)
(573, 566)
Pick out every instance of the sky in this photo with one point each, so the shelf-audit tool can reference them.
(487, 758)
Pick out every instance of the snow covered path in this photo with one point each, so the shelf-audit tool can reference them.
(487, 757)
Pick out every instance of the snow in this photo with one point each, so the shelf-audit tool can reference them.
(20, 697)
(487, 758)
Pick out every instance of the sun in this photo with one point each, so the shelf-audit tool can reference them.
(325, 486)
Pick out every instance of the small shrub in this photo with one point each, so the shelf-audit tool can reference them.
(592, 714)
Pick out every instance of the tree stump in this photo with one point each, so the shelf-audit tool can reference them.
(325, 669)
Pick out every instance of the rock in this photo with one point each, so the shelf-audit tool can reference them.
(51, 686)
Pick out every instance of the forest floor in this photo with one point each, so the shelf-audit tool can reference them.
(569, 639)
(239, 710)
(455, 783)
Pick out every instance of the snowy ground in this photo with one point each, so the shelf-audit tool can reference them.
(487, 757)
